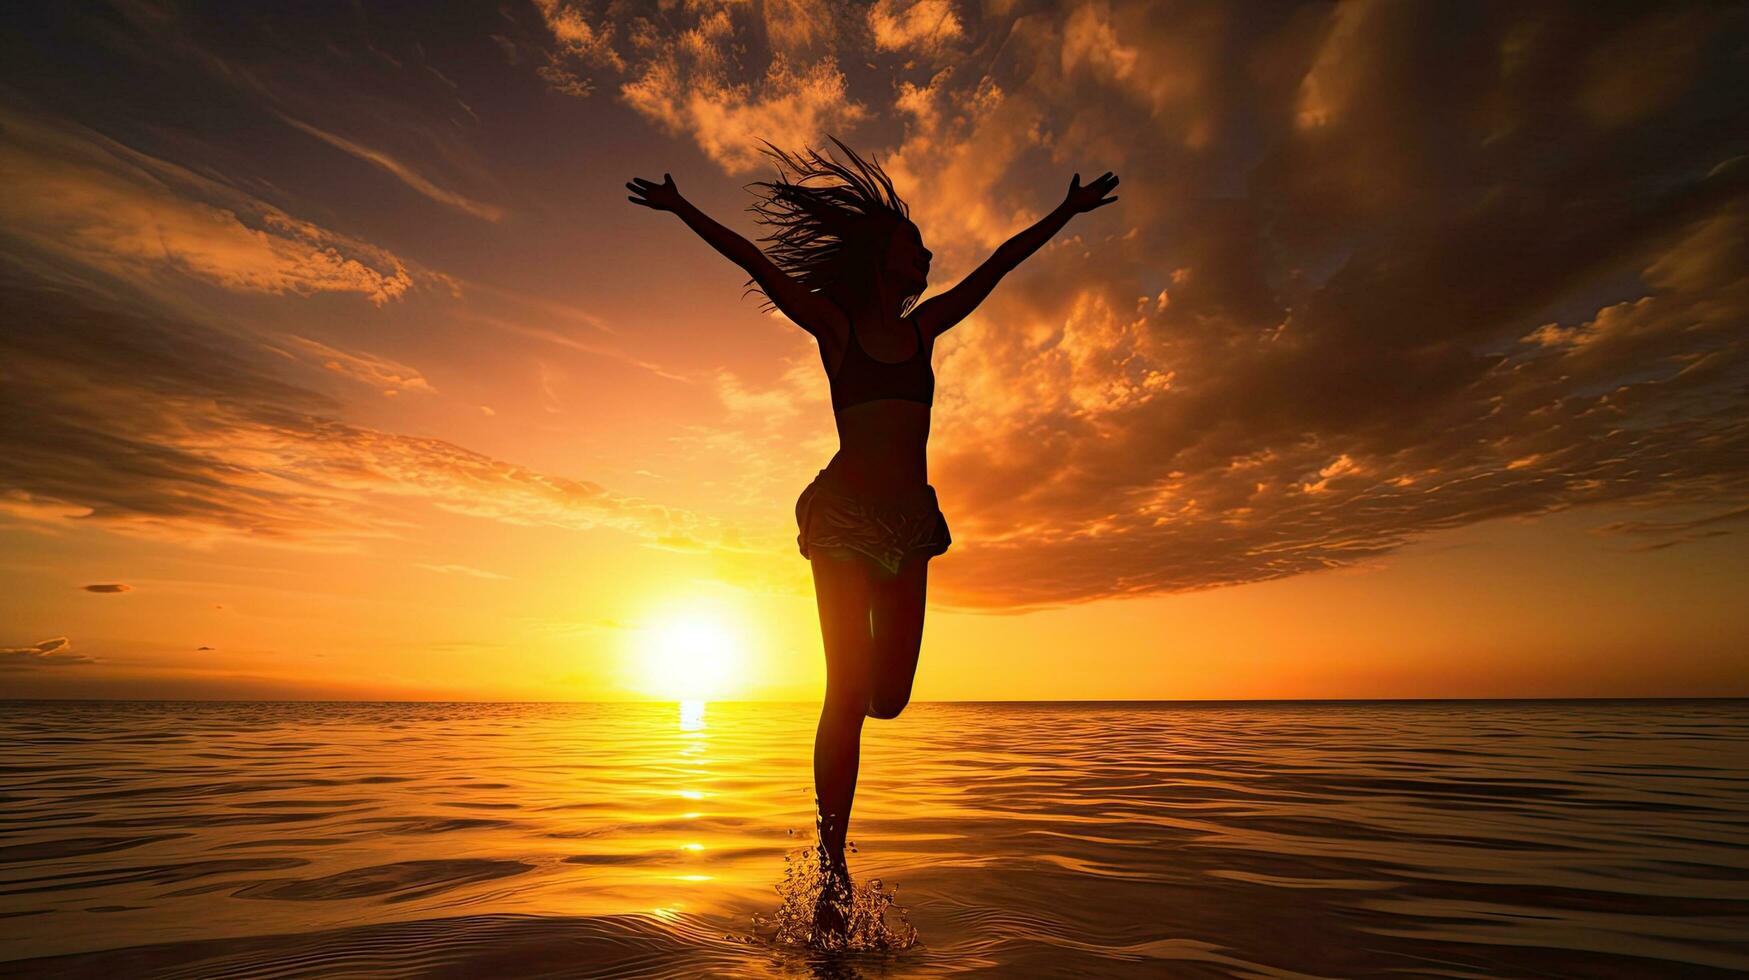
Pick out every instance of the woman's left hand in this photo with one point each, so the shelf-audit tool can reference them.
(1083, 199)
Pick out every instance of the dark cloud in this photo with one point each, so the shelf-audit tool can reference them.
(1484, 261)
(109, 587)
(55, 652)
(1657, 535)
(145, 422)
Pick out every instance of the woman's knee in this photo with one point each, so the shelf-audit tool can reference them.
(887, 705)
(895, 668)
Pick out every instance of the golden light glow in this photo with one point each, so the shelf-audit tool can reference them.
(691, 656)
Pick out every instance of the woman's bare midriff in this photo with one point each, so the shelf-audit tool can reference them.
(882, 447)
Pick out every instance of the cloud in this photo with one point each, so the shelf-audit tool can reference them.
(148, 424)
(91, 201)
(49, 653)
(925, 25)
(790, 107)
(955, 165)
(387, 376)
(109, 587)
(402, 172)
(462, 570)
(698, 79)
(797, 29)
(1669, 533)
(578, 35)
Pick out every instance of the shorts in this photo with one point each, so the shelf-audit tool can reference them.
(885, 530)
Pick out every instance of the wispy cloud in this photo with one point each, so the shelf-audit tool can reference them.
(402, 172)
(90, 201)
(1668, 534)
(385, 375)
(463, 570)
(54, 652)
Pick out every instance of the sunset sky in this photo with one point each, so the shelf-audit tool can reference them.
(1413, 361)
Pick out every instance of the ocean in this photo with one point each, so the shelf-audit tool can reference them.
(1194, 839)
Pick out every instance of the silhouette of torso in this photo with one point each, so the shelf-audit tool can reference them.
(882, 409)
(863, 378)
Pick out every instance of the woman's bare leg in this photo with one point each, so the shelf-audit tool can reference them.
(843, 590)
(872, 625)
(897, 617)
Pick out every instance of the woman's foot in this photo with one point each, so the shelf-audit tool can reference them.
(832, 908)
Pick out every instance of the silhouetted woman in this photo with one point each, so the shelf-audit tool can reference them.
(846, 264)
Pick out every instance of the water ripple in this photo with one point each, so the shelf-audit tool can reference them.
(1462, 839)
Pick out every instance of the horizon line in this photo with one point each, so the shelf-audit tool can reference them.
(676, 701)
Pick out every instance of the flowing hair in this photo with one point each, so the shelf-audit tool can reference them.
(830, 221)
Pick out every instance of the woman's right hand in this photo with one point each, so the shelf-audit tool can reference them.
(662, 197)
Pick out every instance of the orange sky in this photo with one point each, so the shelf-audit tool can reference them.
(1412, 362)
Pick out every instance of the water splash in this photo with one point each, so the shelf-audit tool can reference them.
(821, 910)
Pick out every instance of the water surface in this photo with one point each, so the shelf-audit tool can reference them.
(1454, 839)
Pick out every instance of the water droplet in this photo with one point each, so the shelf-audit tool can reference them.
(822, 910)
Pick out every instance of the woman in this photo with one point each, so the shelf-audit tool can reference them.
(846, 264)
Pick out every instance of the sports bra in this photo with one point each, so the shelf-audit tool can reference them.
(862, 378)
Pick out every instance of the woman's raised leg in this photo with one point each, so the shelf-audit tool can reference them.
(897, 617)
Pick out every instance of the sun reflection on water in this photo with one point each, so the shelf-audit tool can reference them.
(692, 716)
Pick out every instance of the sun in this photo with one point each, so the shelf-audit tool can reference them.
(689, 656)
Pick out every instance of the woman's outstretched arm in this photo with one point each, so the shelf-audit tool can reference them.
(809, 311)
(938, 313)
